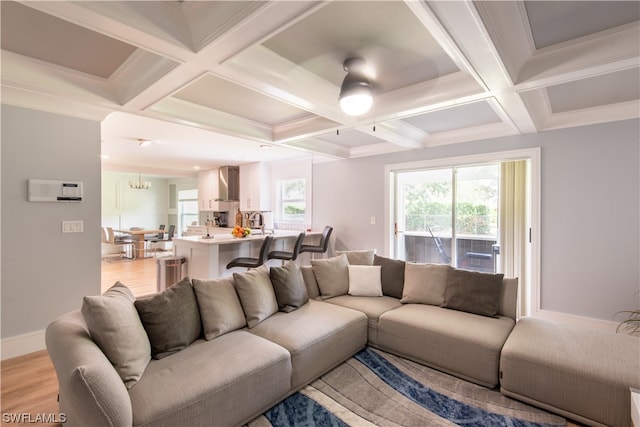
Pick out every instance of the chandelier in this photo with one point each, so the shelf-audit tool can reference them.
(140, 184)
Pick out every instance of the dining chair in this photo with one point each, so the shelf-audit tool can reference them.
(322, 246)
(253, 262)
(125, 243)
(288, 256)
(152, 237)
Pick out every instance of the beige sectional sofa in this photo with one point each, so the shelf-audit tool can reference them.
(221, 352)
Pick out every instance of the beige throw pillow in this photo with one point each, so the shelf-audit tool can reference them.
(332, 275)
(364, 257)
(115, 326)
(220, 308)
(424, 283)
(365, 281)
(256, 294)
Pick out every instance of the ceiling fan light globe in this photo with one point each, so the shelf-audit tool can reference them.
(356, 104)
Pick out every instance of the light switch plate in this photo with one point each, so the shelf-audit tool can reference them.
(73, 226)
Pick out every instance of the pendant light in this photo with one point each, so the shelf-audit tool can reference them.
(140, 184)
(356, 95)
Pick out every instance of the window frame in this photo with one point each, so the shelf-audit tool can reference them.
(530, 294)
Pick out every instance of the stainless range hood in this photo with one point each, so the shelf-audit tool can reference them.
(228, 184)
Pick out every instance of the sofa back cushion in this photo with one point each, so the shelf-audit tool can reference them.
(332, 275)
(291, 292)
(473, 292)
(508, 305)
(171, 319)
(310, 282)
(391, 275)
(115, 326)
(425, 283)
(220, 307)
(256, 294)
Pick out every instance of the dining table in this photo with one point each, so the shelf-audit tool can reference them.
(137, 238)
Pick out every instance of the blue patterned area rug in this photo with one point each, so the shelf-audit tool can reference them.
(374, 388)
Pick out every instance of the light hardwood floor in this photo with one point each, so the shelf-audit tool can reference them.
(29, 382)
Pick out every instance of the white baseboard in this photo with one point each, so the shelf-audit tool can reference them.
(572, 319)
(22, 344)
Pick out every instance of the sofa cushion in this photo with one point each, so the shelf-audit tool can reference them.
(171, 319)
(424, 283)
(364, 257)
(392, 275)
(318, 336)
(222, 382)
(291, 293)
(582, 373)
(256, 294)
(372, 307)
(463, 344)
(220, 308)
(332, 275)
(364, 281)
(473, 292)
(115, 326)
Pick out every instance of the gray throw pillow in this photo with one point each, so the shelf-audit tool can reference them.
(291, 292)
(359, 257)
(115, 326)
(473, 292)
(392, 275)
(424, 283)
(256, 294)
(220, 308)
(171, 319)
(332, 275)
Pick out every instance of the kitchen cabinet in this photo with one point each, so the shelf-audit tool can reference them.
(255, 194)
(208, 190)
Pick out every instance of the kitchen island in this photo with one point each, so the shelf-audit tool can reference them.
(207, 258)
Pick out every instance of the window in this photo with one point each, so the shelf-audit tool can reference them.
(449, 216)
(291, 200)
(187, 208)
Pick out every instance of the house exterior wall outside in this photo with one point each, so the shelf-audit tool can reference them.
(590, 210)
(45, 273)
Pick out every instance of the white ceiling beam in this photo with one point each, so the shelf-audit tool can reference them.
(589, 56)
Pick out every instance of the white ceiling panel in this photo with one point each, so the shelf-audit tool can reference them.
(212, 82)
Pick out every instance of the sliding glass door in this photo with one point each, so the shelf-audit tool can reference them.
(448, 216)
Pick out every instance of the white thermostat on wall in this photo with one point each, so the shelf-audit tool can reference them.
(41, 190)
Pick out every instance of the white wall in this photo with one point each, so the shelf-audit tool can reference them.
(590, 201)
(124, 207)
(45, 273)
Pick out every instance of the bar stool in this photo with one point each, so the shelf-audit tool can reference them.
(321, 247)
(253, 262)
(286, 256)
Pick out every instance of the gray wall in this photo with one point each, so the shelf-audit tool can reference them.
(590, 202)
(45, 273)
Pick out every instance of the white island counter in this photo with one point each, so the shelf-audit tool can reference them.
(207, 258)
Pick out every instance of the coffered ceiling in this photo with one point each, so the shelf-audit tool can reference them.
(231, 82)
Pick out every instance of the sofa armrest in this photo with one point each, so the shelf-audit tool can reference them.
(90, 390)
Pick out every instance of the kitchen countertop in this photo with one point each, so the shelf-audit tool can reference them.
(223, 239)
